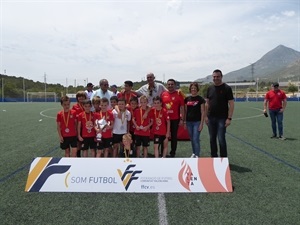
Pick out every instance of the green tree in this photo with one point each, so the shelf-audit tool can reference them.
(203, 89)
(292, 88)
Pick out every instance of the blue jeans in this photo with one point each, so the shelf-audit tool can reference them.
(276, 115)
(192, 127)
(216, 128)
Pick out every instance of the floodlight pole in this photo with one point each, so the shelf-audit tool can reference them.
(257, 88)
(235, 90)
(24, 89)
(3, 86)
(2, 89)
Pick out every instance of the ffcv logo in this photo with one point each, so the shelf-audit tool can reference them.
(129, 175)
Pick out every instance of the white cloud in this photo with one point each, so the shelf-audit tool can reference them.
(125, 40)
(289, 13)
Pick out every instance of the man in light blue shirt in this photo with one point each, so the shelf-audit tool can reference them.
(103, 91)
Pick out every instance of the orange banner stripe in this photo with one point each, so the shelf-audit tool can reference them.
(208, 176)
(36, 171)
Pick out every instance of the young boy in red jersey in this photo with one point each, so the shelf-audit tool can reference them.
(66, 127)
(121, 125)
(127, 93)
(106, 132)
(96, 104)
(113, 102)
(85, 129)
(142, 127)
(134, 102)
(161, 126)
(78, 107)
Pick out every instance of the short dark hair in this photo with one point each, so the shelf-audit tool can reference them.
(195, 84)
(134, 99)
(122, 100)
(172, 81)
(104, 100)
(87, 102)
(129, 83)
(157, 98)
(114, 98)
(64, 99)
(218, 71)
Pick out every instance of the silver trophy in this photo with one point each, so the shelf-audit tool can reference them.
(102, 123)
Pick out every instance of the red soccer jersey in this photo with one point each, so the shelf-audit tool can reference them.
(67, 122)
(106, 133)
(275, 99)
(87, 124)
(160, 118)
(131, 125)
(78, 108)
(138, 117)
(172, 102)
(126, 96)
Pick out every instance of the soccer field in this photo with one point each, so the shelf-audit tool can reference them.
(265, 175)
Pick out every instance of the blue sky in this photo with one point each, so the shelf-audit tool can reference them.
(124, 40)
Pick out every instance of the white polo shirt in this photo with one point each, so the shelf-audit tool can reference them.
(157, 90)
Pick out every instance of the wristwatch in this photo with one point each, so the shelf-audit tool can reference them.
(229, 118)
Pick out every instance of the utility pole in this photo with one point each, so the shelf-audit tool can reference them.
(257, 89)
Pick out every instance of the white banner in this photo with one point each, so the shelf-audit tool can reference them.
(145, 175)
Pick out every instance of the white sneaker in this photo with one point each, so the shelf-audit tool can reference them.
(282, 138)
(193, 155)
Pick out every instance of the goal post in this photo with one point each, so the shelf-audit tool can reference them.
(41, 97)
(255, 96)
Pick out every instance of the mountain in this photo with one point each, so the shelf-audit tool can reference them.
(281, 63)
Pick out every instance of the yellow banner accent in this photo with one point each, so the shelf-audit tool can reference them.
(36, 171)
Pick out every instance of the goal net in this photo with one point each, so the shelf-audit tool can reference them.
(41, 97)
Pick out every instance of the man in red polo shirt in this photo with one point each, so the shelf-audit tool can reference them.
(173, 102)
(275, 99)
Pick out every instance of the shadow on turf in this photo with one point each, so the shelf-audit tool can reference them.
(291, 139)
(239, 169)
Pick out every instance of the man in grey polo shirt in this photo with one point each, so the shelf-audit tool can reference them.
(152, 89)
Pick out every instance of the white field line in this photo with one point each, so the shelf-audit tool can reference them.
(250, 117)
(42, 113)
(162, 209)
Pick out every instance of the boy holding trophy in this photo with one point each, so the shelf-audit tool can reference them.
(104, 122)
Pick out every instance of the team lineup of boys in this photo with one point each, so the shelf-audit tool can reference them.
(105, 124)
